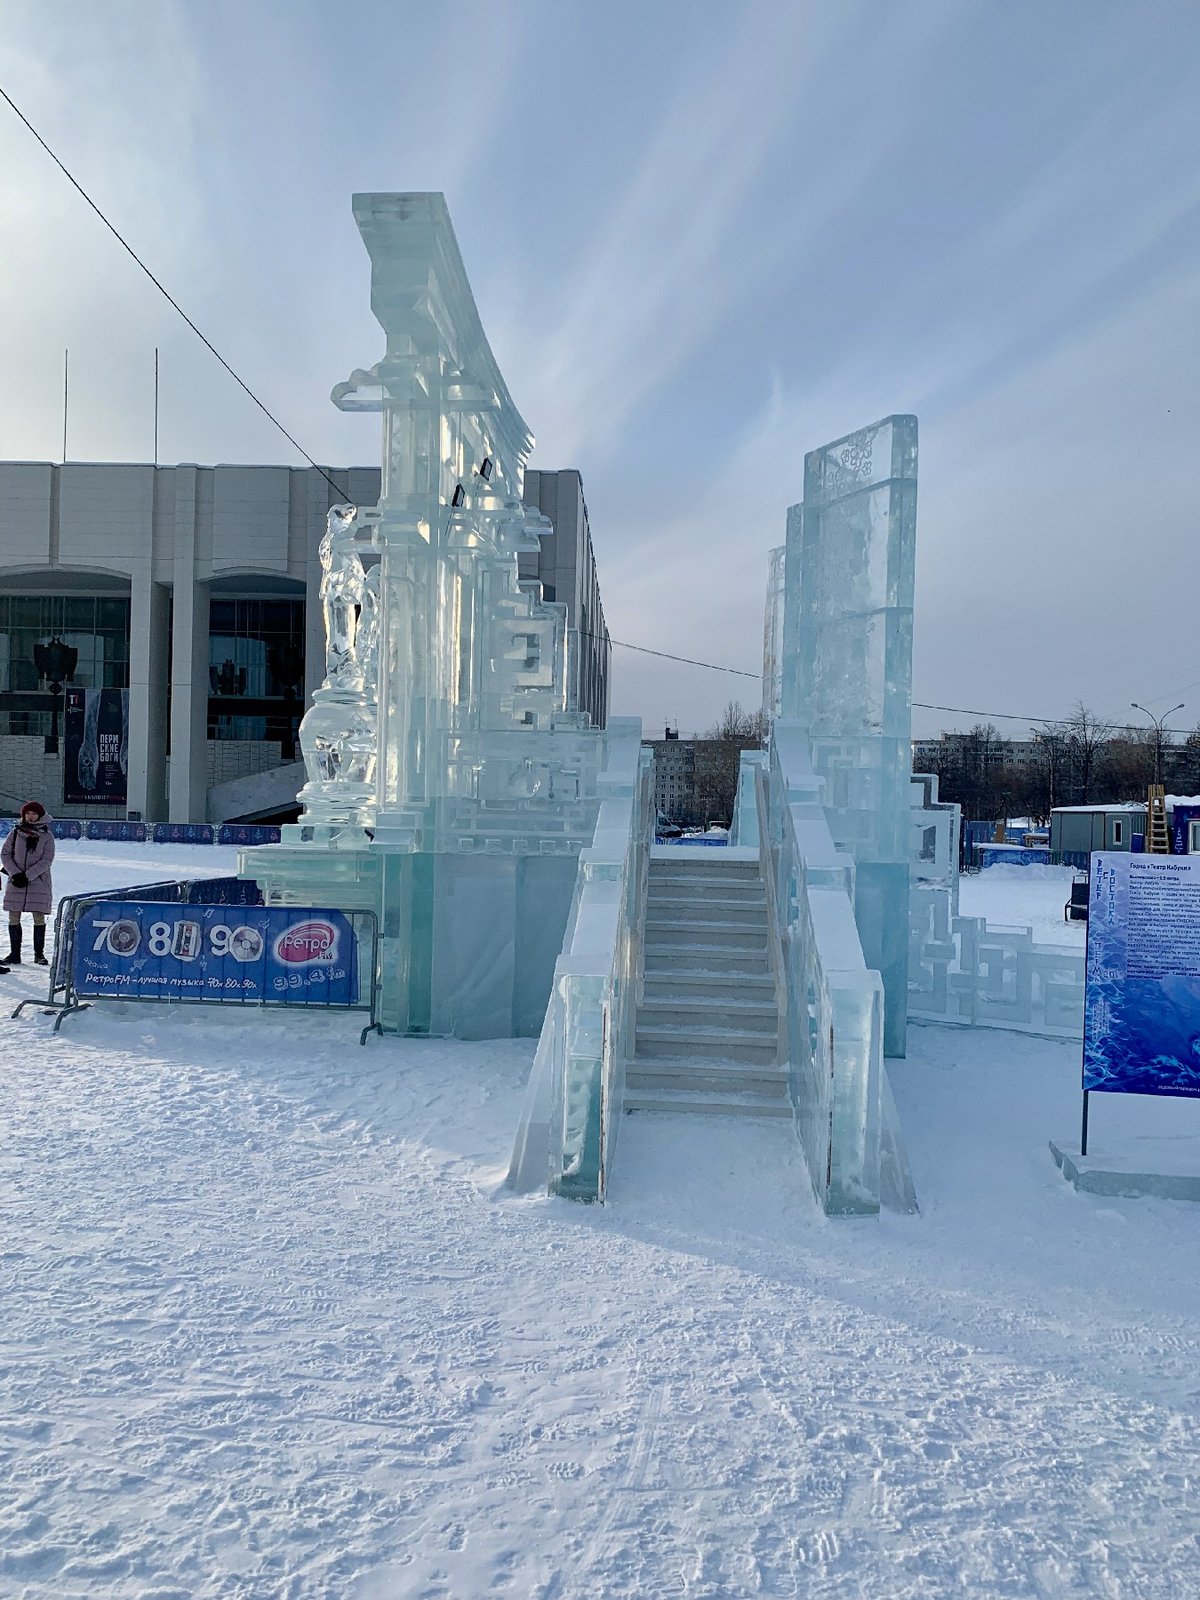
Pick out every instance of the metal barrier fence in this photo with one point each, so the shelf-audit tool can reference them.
(64, 996)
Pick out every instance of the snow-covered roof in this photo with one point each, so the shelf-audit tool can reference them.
(1112, 805)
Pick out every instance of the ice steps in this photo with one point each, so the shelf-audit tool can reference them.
(707, 1037)
(704, 1103)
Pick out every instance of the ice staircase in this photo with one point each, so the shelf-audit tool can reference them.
(708, 1025)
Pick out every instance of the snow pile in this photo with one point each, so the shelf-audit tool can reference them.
(272, 1328)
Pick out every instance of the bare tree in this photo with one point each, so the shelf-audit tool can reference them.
(1128, 767)
(1086, 737)
(718, 759)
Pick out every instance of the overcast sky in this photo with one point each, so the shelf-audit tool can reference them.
(704, 238)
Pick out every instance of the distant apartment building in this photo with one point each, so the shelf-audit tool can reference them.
(675, 776)
(934, 755)
(187, 601)
(695, 780)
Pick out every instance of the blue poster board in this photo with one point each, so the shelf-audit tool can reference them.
(282, 955)
(1141, 1020)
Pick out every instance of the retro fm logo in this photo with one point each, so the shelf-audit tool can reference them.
(306, 943)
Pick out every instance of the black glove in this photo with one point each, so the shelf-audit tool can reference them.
(20, 881)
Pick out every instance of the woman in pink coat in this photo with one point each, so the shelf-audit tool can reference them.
(26, 856)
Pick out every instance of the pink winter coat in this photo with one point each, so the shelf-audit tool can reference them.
(29, 850)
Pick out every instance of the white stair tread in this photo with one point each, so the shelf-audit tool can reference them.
(706, 1103)
(697, 1066)
(724, 1005)
(703, 1034)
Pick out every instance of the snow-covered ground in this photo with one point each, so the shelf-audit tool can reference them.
(271, 1327)
(1024, 897)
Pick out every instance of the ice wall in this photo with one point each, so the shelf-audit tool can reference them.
(846, 675)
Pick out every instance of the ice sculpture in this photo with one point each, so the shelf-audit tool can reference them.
(847, 671)
(338, 734)
(452, 781)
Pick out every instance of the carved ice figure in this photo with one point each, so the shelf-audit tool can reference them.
(339, 733)
(338, 739)
(342, 584)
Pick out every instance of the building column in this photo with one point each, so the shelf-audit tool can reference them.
(189, 664)
(147, 746)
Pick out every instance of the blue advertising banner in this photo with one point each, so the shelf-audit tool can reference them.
(183, 833)
(285, 955)
(248, 833)
(1141, 1021)
(117, 832)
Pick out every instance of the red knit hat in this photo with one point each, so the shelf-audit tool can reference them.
(34, 805)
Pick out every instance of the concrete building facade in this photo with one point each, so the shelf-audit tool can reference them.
(567, 570)
(196, 589)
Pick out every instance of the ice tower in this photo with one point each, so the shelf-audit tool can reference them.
(846, 674)
(451, 781)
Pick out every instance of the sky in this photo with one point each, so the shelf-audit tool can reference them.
(704, 238)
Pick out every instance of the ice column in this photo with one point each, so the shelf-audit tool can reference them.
(847, 671)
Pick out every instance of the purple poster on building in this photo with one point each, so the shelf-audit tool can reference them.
(95, 747)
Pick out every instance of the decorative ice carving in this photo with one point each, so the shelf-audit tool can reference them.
(367, 639)
(339, 734)
(342, 585)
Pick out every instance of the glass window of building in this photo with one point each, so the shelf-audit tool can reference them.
(95, 626)
(256, 670)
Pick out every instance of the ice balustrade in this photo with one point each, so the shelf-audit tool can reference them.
(573, 1101)
(845, 1117)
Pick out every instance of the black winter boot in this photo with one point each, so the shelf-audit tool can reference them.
(39, 945)
(14, 944)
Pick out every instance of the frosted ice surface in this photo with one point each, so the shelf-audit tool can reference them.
(847, 671)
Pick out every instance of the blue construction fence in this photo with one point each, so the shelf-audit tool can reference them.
(235, 833)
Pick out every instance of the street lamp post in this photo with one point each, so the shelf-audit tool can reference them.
(1158, 732)
(56, 663)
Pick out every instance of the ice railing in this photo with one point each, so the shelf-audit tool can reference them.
(970, 971)
(574, 1099)
(832, 1002)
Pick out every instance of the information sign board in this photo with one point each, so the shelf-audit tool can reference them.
(283, 955)
(1141, 1031)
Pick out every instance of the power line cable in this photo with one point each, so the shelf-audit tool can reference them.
(919, 705)
(121, 240)
(665, 655)
(690, 661)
